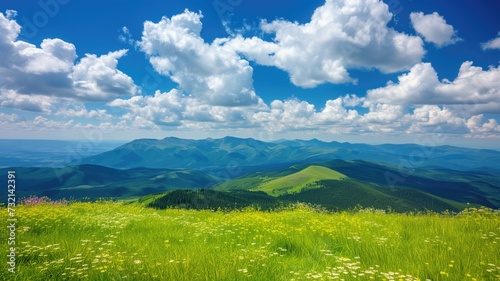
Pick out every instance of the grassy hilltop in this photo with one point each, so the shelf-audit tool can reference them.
(113, 241)
(296, 182)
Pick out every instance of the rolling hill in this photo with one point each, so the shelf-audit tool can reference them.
(282, 182)
(478, 187)
(91, 181)
(332, 195)
(482, 188)
(297, 182)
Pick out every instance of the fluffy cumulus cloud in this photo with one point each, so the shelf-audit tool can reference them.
(151, 111)
(434, 29)
(286, 115)
(418, 103)
(97, 78)
(8, 118)
(78, 110)
(335, 111)
(474, 87)
(208, 71)
(341, 35)
(33, 77)
(174, 109)
(478, 127)
(35, 103)
(337, 118)
(434, 119)
(493, 44)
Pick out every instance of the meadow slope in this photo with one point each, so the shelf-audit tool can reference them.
(113, 241)
(296, 182)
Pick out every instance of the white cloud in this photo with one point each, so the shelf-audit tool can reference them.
(341, 35)
(398, 120)
(477, 126)
(8, 118)
(126, 37)
(49, 105)
(286, 115)
(339, 116)
(415, 87)
(211, 72)
(384, 114)
(97, 78)
(50, 70)
(41, 122)
(493, 44)
(434, 29)
(295, 115)
(434, 119)
(253, 48)
(79, 111)
(10, 14)
(10, 29)
(174, 109)
(352, 100)
(473, 86)
(56, 126)
(35, 103)
(54, 56)
(164, 109)
(336, 113)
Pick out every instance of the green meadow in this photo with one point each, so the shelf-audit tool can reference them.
(117, 241)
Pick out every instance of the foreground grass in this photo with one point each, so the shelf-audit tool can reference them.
(112, 241)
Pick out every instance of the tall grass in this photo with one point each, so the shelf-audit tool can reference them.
(113, 241)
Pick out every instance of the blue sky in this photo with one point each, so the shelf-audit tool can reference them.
(360, 71)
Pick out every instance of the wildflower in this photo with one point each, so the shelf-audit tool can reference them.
(137, 261)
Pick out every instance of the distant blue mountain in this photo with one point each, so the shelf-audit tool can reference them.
(49, 153)
(232, 153)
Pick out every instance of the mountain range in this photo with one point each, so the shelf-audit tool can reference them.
(231, 172)
(216, 154)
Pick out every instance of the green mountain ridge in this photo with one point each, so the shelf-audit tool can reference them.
(477, 187)
(91, 181)
(212, 154)
(482, 188)
(329, 194)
